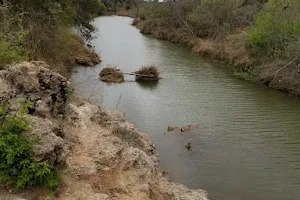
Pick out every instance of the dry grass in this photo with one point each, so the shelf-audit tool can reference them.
(232, 49)
(108, 71)
(147, 73)
(149, 70)
(111, 74)
(59, 51)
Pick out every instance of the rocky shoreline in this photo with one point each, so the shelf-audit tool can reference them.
(100, 154)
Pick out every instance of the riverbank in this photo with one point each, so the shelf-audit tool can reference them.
(100, 154)
(57, 37)
(232, 52)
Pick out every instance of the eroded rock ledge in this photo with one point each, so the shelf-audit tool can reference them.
(105, 156)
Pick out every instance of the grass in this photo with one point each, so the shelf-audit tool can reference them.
(149, 70)
(243, 75)
(59, 51)
(147, 73)
(111, 74)
(108, 71)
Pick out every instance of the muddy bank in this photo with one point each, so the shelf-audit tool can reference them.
(101, 155)
(231, 51)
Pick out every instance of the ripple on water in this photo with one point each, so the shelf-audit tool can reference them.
(246, 144)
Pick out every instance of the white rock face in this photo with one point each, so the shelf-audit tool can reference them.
(105, 157)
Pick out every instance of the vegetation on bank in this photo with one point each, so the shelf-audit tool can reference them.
(113, 6)
(147, 73)
(111, 74)
(259, 37)
(43, 30)
(16, 165)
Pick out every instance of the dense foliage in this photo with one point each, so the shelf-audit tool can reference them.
(30, 29)
(114, 5)
(260, 37)
(16, 164)
(205, 17)
(277, 29)
(274, 24)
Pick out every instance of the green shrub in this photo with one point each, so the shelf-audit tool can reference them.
(292, 50)
(12, 38)
(16, 164)
(30, 28)
(214, 16)
(101, 7)
(11, 49)
(203, 18)
(275, 28)
(155, 11)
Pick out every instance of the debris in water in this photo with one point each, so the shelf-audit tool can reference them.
(188, 146)
(111, 74)
(170, 128)
(185, 128)
(147, 73)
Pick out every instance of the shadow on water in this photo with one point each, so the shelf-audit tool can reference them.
(148, 85)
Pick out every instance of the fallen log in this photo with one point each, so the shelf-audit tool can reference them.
(143, 77)
(135, 74)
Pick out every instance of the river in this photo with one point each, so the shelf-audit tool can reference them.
(245, 139)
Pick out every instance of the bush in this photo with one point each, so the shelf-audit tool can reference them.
(34, 29)
(12, 42)
(292, 50)
(16, 164)
(275, 28)
(101, 7)
(212, 17)
(162, 12)
(111, 74)
(11, 48)
(149, 71)
(58, 50)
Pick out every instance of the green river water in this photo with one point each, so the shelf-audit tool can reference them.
(245, 138)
